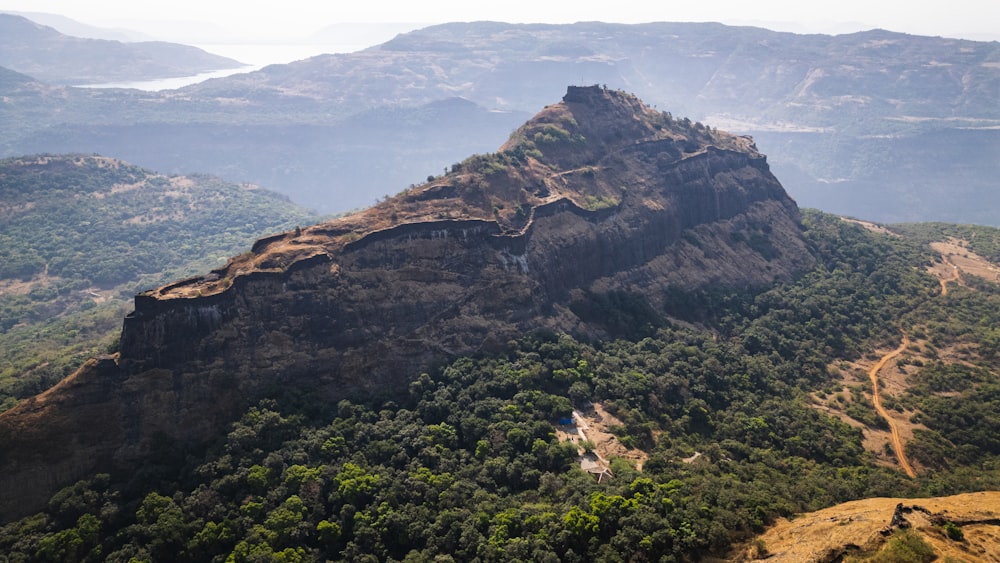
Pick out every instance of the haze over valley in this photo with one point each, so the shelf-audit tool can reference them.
(877, 125)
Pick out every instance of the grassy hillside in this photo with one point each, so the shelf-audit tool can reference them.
(731, 406)
(80, 235)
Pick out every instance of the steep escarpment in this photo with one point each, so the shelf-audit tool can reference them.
(596, 194)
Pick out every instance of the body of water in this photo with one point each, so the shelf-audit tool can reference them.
(255, 56)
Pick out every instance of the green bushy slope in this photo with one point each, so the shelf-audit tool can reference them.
(80, 235)
(465, 463)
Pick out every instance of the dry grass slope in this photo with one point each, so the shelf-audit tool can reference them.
(863, 526)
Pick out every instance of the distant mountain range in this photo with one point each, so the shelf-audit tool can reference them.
(879, 125)
(69, 26)
(50, 56)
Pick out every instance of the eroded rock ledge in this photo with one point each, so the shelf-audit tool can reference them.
(598, 193)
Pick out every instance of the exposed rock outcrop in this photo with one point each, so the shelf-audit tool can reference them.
(862, 527)
(598, 193)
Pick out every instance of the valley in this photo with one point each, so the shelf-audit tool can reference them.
(347, 388)
(610, 335)
(858, 124)
(68, 272)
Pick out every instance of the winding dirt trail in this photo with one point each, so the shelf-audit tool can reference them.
(952, 274)
(897, 442)
(955, 277)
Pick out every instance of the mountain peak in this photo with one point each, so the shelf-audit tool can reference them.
(602, 121)
(592, 151)
(596, 195)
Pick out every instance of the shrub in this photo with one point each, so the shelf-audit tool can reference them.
(954, 531)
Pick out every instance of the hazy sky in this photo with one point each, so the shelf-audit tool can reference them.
(288, 19)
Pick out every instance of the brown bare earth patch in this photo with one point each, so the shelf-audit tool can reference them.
(957, 260)
(892, 382)
(873, 227)
(594, 424)
(16, 286)
(121, 188)
(12, 287)
(862, 526)
(887, 372)
(100, 295)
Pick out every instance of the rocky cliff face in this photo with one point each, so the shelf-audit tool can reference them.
(595, 194)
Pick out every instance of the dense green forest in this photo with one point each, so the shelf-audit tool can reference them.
(464, 465)
(80, 235)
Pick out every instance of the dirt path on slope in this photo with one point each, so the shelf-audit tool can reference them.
(897, 442)
(957, 261)
(956, 275)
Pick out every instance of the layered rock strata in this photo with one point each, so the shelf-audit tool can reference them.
(597, 193)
